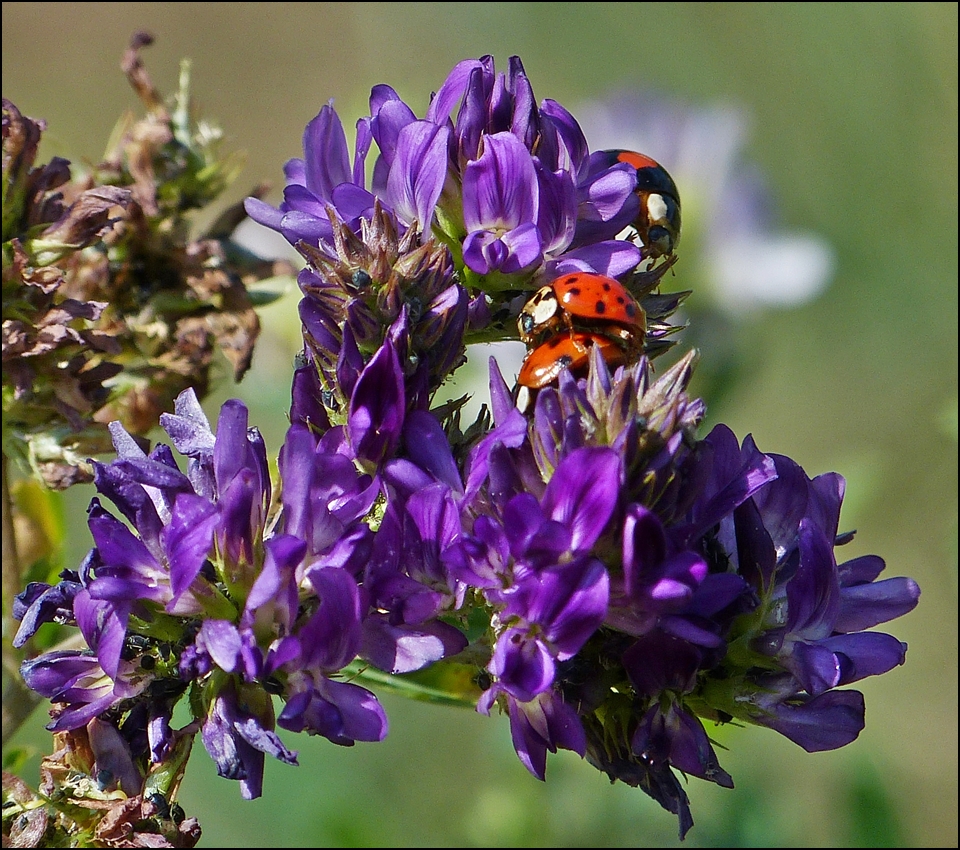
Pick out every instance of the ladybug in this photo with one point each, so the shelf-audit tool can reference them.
(584, 301)
(543, 364)
(658, 222)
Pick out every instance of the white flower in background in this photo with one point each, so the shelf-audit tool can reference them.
(731, 245)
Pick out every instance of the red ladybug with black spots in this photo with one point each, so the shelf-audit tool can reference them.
(583, 301)
(566, 318)
(658, 221)
(543, 364)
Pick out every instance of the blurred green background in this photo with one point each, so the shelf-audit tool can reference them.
(854, 122)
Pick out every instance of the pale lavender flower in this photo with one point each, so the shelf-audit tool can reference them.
(743, 260)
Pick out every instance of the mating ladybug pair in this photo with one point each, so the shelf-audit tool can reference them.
(564, 320)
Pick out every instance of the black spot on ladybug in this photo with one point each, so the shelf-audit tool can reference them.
(631, 309)
(600, 308)
(569, 279)
(606, 287)
(574, 290)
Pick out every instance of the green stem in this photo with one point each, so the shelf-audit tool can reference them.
(18, 700)
(11, 560)
(443, 683)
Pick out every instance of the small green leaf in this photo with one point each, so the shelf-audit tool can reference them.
(443, 683)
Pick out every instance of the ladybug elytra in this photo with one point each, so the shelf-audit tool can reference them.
(582, 301)
(566, 318)
(543, 364)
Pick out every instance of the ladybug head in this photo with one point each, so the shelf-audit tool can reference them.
(663, 224)
(659, 241)
(538, 314)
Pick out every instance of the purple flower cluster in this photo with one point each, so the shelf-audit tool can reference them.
(614, 579)
(200, 591)
(508, 185)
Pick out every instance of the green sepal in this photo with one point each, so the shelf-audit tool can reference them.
(165, 777)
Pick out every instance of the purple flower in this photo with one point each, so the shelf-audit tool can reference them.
(548, 593)
(179, 518)
(201, 585)
(503, 181)
(328, 640)
(825, 722)
(418, 172)
(325, 498)
(489, 103)
(41, 603)
(544, 723)
(318, 181)
(408, 176)
(500, 207)
(521, 208)
(677, 737)
(377, 407)
(552, 613)
(237, 734)
(812, 613)
(408, 579)
(86, 683)
(700, 543)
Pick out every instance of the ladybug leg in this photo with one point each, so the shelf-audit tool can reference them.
(646, 281)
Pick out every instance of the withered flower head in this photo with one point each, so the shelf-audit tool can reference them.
(111, 307)
(85, 798)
